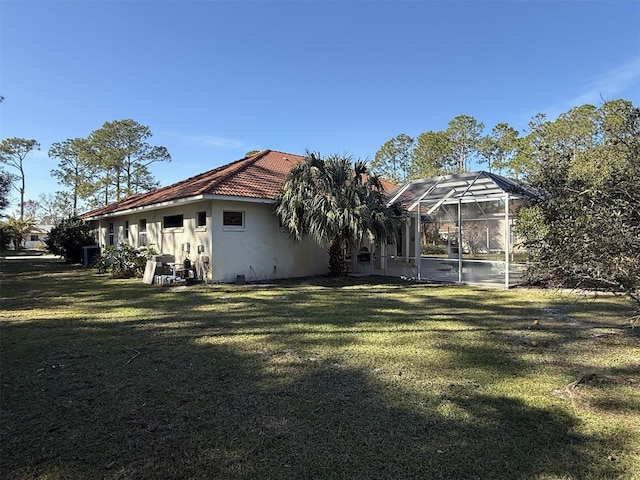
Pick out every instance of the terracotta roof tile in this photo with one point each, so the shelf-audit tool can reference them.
(259, 176)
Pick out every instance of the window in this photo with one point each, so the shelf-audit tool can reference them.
(126, 231)
(111, 234)
(34, 238)
(173, 221)
(201, 219)
(233, 219)
(142, 232)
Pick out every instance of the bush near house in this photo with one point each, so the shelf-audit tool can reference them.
(68, 237)
(124, 261)
(17, 229)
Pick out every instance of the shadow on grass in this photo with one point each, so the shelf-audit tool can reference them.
(118, 402)
(146, 397)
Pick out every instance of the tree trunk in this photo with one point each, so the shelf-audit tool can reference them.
(336, 258)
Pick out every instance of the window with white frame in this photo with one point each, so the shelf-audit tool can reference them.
(142, 232)
(233, 220)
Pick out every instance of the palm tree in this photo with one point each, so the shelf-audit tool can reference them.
(338, 203)
(17, 229)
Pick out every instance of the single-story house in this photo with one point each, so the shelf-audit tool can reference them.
(36, 236)
(222, 220)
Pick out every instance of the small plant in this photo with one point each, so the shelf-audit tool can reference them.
(124, 261)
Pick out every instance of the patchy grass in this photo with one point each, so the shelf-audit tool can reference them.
(327, 379)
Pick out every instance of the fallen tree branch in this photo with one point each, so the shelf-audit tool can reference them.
(583, 379)
(133, 350)
(569, 388)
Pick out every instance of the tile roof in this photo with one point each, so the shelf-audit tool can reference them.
(258, 176)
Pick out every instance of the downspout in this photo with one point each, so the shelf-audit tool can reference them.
(418, 241)
(158, 228)
(460, 240)
(383, 257)
(213, 244)
(507, 240)
(407, 240)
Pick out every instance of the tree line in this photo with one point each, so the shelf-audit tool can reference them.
(111, 163)
(449, 151)
(584, 229)
(503, 150)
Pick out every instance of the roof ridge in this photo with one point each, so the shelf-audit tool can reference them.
(240, 166)
(208, 172)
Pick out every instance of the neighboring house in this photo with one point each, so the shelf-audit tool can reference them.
(222, 220)
(36, 236)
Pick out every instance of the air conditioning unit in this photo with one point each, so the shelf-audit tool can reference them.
(164, 258)
(89, 254)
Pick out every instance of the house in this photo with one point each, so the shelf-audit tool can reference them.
(36, 236)
(222, 221)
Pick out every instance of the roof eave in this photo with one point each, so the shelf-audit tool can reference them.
(178, 202)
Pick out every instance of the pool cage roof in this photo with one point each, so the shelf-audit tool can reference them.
(488, 262)
(461, 187)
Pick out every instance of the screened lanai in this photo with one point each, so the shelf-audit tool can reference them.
(466, 229)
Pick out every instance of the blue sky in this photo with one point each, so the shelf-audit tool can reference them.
(215, 79)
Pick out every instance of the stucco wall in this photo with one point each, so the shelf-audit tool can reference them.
(164, 240)
(259, 250)
(31, 244)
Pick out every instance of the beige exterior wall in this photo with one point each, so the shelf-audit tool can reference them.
(259, 249)
(30, 243)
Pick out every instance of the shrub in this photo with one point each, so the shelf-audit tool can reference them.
(124, 261)
(584, 230)
(5, 238)
(68, 237)
(434, 249)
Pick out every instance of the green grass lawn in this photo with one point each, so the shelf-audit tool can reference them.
(326, 379)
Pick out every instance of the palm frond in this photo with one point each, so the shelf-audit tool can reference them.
(336, 201)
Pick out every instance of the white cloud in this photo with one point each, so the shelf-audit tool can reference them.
(205, 140)
(610, 85)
